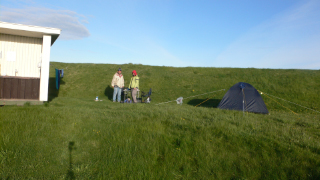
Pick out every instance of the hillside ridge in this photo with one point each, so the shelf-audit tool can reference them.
(169, 83)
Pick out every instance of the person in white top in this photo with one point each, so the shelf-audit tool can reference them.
(117, 84)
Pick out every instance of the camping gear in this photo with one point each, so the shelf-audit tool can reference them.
(243, 97)
(268, 95)
(127, 93)
(146, 97)
(192, 96)
(57, 78)
(61, 73)
(179, 100)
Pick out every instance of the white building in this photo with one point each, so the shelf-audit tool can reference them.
(25, 61)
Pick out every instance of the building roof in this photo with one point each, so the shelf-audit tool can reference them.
(29, 31)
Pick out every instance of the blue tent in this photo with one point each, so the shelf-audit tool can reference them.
(243, 97)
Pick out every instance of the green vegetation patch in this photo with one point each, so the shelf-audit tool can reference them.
(74, 137)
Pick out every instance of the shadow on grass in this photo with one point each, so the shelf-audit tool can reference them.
(109, 92)
(70, 173)
(211, 103)
(53, 92)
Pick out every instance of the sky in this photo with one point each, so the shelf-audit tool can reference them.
(180, 33)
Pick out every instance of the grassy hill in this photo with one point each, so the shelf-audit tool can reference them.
(74, 137)
(168, 83)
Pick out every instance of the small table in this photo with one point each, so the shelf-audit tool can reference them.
(126, 92)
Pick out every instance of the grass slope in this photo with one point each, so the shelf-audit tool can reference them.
(168, 83)
(74, 137)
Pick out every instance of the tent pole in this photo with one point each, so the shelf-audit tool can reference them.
(243, 102)
(243, 107)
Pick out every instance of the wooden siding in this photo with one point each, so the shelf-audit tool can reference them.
(19, 88)
(28, 55)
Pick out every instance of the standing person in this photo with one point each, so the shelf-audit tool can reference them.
(117, 83)
(134, 85)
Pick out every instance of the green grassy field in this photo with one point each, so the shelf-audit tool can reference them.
(73, 137)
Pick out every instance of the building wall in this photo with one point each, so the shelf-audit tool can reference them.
(12, 87)
(20, 53)
(45, 67)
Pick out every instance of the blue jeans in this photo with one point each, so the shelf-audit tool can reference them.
(116, 91)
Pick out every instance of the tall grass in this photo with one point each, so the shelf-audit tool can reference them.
(74, 137)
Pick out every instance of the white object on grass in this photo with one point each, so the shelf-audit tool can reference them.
(179, 100)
